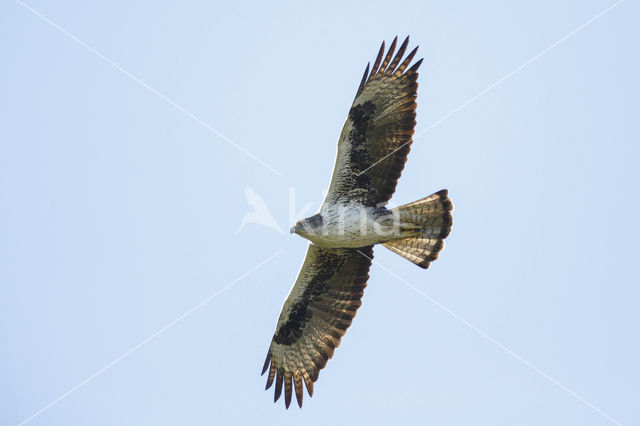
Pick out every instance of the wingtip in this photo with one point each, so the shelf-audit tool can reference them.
(308, 382)
(406, 41)
(266, 365)
(279, 384)
(287, 389)
(382, 48)
(364, 78)
(376, 63)
(414, 67)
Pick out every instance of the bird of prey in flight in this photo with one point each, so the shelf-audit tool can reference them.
(372, 150)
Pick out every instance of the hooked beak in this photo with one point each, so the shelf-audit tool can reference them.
(292, 230)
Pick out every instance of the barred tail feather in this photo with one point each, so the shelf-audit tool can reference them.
(430, 221)
(421, 251)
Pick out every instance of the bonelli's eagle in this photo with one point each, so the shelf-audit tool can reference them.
(372, 151)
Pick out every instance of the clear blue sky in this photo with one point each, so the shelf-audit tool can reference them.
(119, 212)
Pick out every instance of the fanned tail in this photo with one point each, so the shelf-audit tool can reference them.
(430, 220)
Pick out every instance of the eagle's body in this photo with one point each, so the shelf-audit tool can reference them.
(372, 150)
(349, 225)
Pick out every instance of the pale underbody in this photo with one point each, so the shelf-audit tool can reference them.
(352, 226)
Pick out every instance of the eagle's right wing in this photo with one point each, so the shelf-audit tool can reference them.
(315, 315)
(377, 135)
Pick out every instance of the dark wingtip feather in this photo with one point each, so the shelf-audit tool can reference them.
(376, 63)
(297, 384)
(403, 66)
(266, 365)
(364, 77)
(309, 385)
(287, 389)
(272, 374)
(278, 391)
(388, 56)
(389, 66)
(394, 63)
(414, 67)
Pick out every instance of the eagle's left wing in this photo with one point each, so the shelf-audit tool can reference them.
(315, 315)
(377, 135)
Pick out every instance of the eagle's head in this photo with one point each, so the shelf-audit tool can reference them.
(308, 227)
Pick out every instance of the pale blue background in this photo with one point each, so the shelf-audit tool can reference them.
(119, 212)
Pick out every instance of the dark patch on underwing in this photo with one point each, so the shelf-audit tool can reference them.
(327, 264)
(361, 116)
